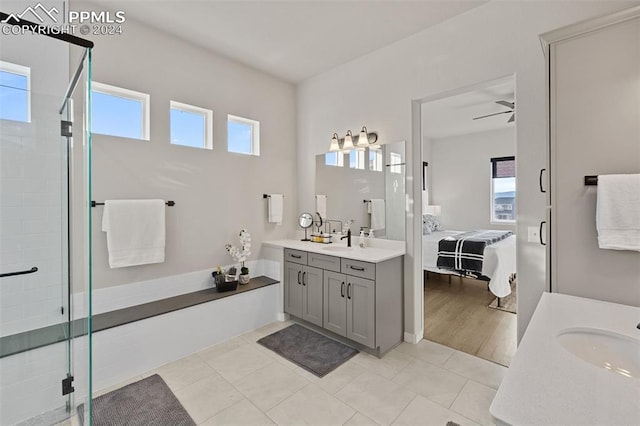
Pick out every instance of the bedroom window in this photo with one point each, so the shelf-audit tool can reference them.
(334, 159)
(503, 190)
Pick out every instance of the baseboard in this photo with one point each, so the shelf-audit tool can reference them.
(283, 317)
(413, 338)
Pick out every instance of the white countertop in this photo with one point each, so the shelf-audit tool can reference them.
(547, 385)
(375, 250)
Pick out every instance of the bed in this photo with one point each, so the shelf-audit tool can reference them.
(498, 265)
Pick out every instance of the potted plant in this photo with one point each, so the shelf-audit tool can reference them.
(241, 254)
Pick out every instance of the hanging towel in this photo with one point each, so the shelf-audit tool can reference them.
(275, 208)
(135, 231)
(377, 214)
(618, 212)
(321, 205)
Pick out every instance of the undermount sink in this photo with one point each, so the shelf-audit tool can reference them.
(337, 248)
(612, 351)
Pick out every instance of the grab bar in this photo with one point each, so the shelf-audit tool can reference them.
(11, 274)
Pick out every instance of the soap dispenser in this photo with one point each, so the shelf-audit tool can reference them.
(361, 239)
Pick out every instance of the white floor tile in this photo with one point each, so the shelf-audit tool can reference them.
(242, 413)
(116, 386)
(360, 419)
(255, 335)
(474, 401)
(478, 369)
(421, 411)
(207, 397)
(427, 351)
(341, 376)
(432, 382)
(270, 385)
(183, 372)
(239, 362)
(388, 366)
(376, 397)
(311, 406)
(221, 348)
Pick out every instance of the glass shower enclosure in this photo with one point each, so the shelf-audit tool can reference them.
(45, 276)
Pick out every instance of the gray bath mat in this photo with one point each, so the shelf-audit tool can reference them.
(312, 351)
(143, 403)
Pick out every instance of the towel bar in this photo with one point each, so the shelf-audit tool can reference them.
(268, 196)
(168, 203)
(591, 180)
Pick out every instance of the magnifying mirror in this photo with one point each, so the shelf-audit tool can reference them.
(305, 221)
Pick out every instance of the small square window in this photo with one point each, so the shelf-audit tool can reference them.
(396, 162)
(356, 159)
(375, 159)
(15, 96)
(334, 159)
(243, 135)
(119, 112)
(191, 126)
(503, 190)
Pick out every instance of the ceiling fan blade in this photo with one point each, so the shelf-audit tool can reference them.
(512, 118)
(491, 115)
(510, 105)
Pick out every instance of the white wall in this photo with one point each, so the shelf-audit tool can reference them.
(491, 41)
(461, 177)
(216, 193)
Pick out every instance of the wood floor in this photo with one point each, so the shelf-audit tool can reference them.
(456, 315)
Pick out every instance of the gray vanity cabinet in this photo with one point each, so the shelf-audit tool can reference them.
(361, 310)
(302, 288)
(293, 288)
(335, 302)
(312, 296)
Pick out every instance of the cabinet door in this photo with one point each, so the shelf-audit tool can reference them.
(293, 289)
(361, 305)
(335, 302)
(312, 295)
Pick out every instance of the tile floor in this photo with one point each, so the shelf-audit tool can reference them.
(239, 382)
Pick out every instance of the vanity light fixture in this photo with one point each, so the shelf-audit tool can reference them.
(335, 144)
(348, 141)
(363, 139)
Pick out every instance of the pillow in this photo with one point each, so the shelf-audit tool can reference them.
(429, 224)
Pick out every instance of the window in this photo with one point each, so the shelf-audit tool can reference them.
(119, 112)
(15, 92)
(191, 126)
(243, 135)
(375, 159)
(356, 159)
(396, 162)
(503, 189)
(334, 159)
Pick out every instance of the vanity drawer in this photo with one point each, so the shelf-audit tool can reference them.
(295, 256)
(322, 261)
(358, 268)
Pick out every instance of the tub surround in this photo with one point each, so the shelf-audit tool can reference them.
(375, 250)
(546, 384)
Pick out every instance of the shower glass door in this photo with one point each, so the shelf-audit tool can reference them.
(44, 285)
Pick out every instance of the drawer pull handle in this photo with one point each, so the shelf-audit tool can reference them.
(296, 256)
(304, 274)
(356, 268)
(349, 291)
(299, 272)
(540, 181)
(342, 289)
(540, 232)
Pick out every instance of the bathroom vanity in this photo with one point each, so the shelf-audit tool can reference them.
(578, 364)
(350, 293)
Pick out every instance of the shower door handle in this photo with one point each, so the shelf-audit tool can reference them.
(27, 271)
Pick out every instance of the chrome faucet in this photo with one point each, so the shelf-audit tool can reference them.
(348, 237)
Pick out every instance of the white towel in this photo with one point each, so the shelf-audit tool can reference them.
(275, 207)
(618, 212)
(135, 231)
(321, 205)
(377, 214)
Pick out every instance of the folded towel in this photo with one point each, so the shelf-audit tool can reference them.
(377, 214)
(275, 207)
(618, 212)
(321, 205)
(135, 231)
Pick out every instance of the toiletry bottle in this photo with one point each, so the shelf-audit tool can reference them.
(361, 239)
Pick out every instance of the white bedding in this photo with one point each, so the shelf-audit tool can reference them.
(499, 260)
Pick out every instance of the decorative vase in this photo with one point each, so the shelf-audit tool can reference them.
(244, 279)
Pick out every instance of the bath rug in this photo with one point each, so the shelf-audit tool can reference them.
(450, 423)
(508, 303)
(312, 351)
(146, 402)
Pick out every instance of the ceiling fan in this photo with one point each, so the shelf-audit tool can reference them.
(510, 105)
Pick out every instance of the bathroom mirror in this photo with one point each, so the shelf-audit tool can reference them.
(356, 182)
(305, 221)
